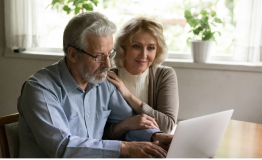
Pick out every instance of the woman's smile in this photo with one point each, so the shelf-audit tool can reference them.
(141, 62)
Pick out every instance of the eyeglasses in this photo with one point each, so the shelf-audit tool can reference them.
(101, 57)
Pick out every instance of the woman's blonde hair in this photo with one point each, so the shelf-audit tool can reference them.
(133, 26)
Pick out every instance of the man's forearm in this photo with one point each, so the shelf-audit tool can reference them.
(141, 135)
(119, 129)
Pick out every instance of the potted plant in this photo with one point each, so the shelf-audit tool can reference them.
(78, 6)
(202, 41)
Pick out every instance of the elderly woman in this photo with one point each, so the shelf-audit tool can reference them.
(149, 88)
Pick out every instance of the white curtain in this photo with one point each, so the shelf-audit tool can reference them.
(21, 27)
(248, 39)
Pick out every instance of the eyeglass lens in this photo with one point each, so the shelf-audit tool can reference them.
(102, 58)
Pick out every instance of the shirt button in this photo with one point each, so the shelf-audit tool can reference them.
(87, 115)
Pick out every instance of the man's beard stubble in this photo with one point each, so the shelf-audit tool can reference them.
(93, 78)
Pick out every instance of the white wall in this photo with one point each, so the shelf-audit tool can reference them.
(13, 73)
(200, 91)
(207, 91)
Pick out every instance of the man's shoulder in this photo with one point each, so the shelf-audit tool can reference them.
(46, 75)
(107, 85)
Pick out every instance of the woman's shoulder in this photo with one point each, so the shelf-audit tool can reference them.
(162, 70)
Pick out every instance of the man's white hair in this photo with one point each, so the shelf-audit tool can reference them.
(82, 25)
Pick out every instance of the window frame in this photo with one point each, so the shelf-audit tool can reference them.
(174, 57)
(175, 60)
(188, 56)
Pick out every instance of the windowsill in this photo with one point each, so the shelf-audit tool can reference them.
(37, 55)
(175, 63)
(214, 65)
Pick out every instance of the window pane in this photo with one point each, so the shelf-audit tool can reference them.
(51, 25)
(169, 12)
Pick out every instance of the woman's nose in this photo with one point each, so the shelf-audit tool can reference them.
(144, 52)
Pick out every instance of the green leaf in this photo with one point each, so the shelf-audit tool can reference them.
(95, 2)
(217, 20)
(80, 5)
(75, 2)
(213, 13)
(65, 2)
(204, 13)
(77, 9)
(67, 9)
(47, 6)
(88, 7)
(190, 31)
(207, 35)
(187, 14)
(213, 24)
(77, 5)
(192, 22)
(204, 18)
(205, 25)
(200, 29)
(54, 2)
(187, 41)
(196, 31)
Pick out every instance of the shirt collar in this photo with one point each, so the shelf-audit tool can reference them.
(68, 81)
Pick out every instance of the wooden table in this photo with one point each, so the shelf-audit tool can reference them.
(241, 140)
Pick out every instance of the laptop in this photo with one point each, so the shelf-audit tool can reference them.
(199, 137)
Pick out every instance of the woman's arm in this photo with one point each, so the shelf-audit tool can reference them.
(141, 121)
(165, 100)
(133, 101)
(115, 131)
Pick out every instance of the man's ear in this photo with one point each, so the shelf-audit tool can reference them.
(71, 54)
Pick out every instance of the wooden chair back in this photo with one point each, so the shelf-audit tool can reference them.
(5, 120)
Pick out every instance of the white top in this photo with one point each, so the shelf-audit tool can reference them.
(137, 84)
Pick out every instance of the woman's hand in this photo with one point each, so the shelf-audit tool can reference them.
(137, 122)
(113, 78)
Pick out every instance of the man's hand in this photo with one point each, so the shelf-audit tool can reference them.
(163, 139)
(141, 150)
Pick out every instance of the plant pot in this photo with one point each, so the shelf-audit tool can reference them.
(201, 50)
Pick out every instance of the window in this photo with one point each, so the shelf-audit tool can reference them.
(170, 13)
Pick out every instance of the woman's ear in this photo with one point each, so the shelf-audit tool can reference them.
(71, 54)
(124, 48)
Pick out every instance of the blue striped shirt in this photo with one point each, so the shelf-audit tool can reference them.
(59, 119)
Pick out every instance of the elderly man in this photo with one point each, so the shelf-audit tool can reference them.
(64, 107)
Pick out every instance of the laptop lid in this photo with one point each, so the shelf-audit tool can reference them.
(199, 137)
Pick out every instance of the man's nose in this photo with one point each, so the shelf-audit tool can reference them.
(106, 63)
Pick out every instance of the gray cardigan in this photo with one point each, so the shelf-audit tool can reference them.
(163, 102)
